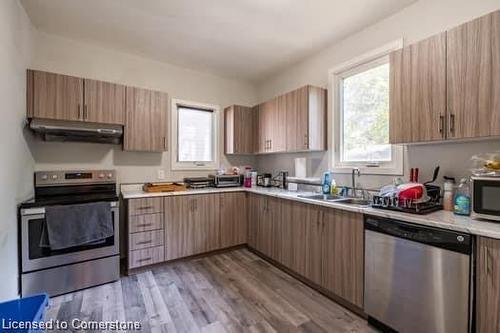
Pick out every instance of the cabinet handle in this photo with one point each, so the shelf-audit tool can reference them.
(144, 259)
(79, 111)
(85, 112)
(270, 144)
(164, 142)
(306, 140)
(452, 123)
(144, 207)
(144, 225)
(489, 260)
(441, 124)
(144, 242)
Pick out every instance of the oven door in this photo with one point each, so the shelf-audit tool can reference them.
(485, 194)
(34, 257)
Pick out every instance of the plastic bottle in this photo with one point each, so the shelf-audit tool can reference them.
(448, 186)
(334, 190)
(462, 198)
(326, 182)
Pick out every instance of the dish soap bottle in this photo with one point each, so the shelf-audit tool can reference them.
(462, 198)
(326, 182)
(334, 190)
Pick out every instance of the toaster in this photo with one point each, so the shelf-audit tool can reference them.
(227, 180)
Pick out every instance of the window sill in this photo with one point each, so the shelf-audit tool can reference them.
(388, 171)
(192, 167)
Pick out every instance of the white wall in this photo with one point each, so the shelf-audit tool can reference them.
(61, 55)
(16, 166)
(418, 21)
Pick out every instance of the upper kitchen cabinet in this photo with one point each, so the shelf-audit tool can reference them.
(418, 91)
(63, 97)
(145, 120)
(270, 127)
(55, 96)
(239, 126)
(305, 110)
(104, 102)
(473, 68)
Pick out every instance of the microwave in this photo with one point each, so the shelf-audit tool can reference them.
(485, 198)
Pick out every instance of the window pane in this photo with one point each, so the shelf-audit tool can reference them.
(195, 137)
(366, 116)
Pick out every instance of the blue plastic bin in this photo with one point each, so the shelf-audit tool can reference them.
(27, 309)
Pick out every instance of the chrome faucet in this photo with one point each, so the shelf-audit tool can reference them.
(355, 172)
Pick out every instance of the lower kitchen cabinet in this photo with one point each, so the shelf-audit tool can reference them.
(264, 225)
(323, 245)
(488, 285)
(343, 257)
(192, 225)
(145, 232)
(233, 219)
(300, 233)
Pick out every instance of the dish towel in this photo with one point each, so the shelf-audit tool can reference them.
(74, 225)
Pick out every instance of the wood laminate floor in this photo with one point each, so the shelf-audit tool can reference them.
(230, 292)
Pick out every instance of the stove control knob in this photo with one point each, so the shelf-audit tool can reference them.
(101, 175)
(110, 175)
(54, 177)
(45, 177)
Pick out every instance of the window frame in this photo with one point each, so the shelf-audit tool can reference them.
(336, 75)
(176, 164)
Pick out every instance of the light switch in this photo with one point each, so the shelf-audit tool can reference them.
(161, 174)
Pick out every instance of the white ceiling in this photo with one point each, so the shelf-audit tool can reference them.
(244, 39)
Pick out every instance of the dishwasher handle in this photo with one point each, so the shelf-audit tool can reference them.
(445, 239)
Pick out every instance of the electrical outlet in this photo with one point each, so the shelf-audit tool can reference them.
(161, 174)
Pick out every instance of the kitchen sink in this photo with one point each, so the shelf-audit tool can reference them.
(337, 198)
(324, 197)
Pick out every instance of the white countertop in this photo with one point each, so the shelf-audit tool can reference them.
(441, 219)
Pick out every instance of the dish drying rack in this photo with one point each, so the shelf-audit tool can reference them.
(406, 206)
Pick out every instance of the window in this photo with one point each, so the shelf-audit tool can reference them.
(361, 117)
(194, 130)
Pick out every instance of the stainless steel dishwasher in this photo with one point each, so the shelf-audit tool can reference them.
(417, 279)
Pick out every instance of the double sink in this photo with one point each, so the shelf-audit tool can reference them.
(337, 199)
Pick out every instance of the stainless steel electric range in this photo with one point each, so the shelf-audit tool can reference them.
(63, 270)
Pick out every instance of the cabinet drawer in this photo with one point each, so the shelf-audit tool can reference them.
(146, 257)
(140, 223)
(145, 206)
(142, 240)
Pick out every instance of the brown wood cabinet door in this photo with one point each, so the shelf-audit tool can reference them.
(268, 224)
(299, 223)
(253, 216)
(418, 91)
(207, 227)
(239, 130)
(296, 119)
(264, 127)
(343, 246)
(473, 69)
(57, 96)
(316, 120)
(104, 102)
(145, 120)
(179, 227)
(192, 225)
(233, 219)
(301, 239)
(314, 239)
(277, 126)
(488, 285)
(305, 119)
